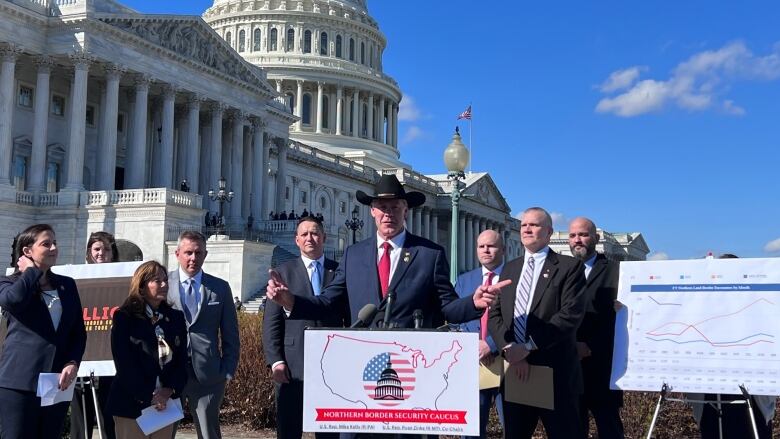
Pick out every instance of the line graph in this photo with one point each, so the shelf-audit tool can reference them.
(664, 303)
(674, 331)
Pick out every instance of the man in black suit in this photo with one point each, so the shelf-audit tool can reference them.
(596, 335)
(283, 339)
(535, 322)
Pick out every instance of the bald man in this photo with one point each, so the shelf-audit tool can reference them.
(490, 252)
(596, 335)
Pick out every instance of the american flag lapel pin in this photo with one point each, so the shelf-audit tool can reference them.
(407, 257)
(546, 273)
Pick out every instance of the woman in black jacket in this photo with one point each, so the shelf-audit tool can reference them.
(149, 345)
(45, 335)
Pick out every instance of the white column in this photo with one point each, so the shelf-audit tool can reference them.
(279, 86)
(320, 86)
(215, 173)
(259, 170)
(166, 162)
(246, 174)
(106, 162)
(41, 124)
(339, 107)
(347, 113)
(370, 117)
(192, 145)
(435, 228)
(395, 125)
(78, 122)
(474, 235)
(135, 164)
(418, 221)
(281, 175)
(236, 166)
(426, 233)
(356, 113)
(469, 242)
(390, 126)
(9, 53)
(299, 106)
(382, 116)
(265, 177)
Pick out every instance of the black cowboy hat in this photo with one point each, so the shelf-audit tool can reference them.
(388, 187)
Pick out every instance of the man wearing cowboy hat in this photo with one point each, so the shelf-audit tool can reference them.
(393, 260)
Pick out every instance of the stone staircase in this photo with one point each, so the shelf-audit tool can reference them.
(282, 253)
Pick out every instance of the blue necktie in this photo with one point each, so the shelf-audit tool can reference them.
(190, 304)
(316, 278)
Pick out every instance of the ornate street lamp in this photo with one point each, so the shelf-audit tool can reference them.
(355, 223)
(221, 196)
(456, 158)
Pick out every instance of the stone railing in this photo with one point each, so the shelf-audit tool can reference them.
(25, 198)
(276, 226)
(319, 61)
(131, 197)
(281, 103)
(48, 199)
(341, 162)
(407, 176)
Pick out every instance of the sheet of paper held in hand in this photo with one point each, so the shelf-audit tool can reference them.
(490, 376)
(152, 419)
(48, 391)
(536, 392)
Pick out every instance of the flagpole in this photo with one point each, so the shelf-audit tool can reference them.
(471, 154)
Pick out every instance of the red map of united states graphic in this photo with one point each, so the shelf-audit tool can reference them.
(386, 374)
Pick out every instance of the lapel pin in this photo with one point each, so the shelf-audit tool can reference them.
(546, 275)
(407, 257)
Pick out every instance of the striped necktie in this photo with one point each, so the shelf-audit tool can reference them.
(521, 301)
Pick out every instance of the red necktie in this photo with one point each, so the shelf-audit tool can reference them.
(384, 268)
(483, 322)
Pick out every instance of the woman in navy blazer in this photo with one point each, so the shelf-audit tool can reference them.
(45, 334)
(149, 345)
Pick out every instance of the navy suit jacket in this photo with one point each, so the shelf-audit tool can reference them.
(32, 345)
(465, 286)
(134, 348)
(420, 281)
(557, 308)
(282, 338)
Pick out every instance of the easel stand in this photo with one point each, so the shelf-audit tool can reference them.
(93, 383)
(717, 405)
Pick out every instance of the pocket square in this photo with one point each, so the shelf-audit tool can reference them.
(213, 303)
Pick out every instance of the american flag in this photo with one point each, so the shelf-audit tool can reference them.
(373, 371)
(466, 114)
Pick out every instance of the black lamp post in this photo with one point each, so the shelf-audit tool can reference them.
(221, 196)
(355, 223)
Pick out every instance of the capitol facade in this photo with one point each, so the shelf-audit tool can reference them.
(105, 111)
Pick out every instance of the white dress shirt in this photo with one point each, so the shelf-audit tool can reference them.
(496, 274)
(310, 268)
(539, 259)
(397, 243)
(589, 265)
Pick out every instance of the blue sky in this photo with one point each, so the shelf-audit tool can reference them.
(659, 117)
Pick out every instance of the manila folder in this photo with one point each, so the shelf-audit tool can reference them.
(536, 392)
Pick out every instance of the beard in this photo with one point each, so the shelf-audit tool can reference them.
(582, 253)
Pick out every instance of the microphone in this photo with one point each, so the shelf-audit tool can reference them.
(388, 308)
(365, 316)
(417, 315)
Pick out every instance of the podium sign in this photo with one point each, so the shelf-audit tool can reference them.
(407, 382)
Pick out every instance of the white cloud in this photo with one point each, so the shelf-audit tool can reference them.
(621, 79)
(772, 246)
(695, 84)
(408, 110)
(658, 256)
(412, 133)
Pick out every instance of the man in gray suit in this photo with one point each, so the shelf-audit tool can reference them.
(207, 303)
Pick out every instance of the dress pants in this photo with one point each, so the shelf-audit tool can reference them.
(606, 414)
(127, 428)
(736, 420)
(205, 401)
(289, 408)
(561, 423)
(22, 417)
(77, 409)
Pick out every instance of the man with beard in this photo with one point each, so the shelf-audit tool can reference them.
(596, 335)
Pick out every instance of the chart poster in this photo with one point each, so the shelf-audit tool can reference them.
(398, 382)
(102, 289)
(700, 326)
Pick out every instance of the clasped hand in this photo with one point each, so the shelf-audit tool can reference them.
(160, 397)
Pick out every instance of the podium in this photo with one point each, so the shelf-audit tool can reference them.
(391, 381)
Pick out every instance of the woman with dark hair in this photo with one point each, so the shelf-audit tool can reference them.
(149, 344)
(101, 248)
(45, 335)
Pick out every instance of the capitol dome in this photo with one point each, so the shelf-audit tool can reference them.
(325, 58)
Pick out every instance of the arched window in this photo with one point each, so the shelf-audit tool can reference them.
(290, 98)
(325, 111)
(272, 42)
(338, 46)
(229, 39)
(241, 40)
(365, 121)
(290, 39)
(324, 43)
(362, 53)
(306, 115)
(307, 42)
(256, 43)
(351, 49)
